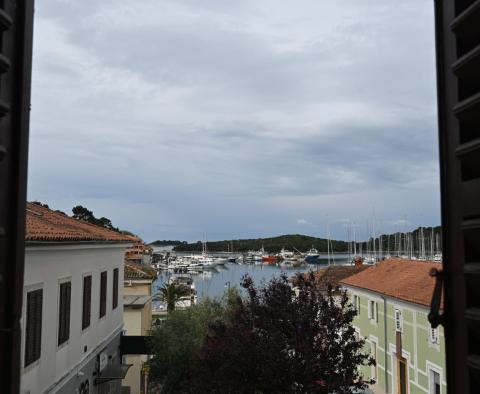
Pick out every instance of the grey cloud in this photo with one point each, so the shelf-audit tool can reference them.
(235, 118)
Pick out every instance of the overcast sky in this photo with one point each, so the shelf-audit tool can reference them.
(236, 118)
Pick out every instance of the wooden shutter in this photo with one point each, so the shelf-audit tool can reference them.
(16, 31)
(458, 85)
(64, 313)
(87, 301)
(33, 327)
(115, 289)
(103, 293)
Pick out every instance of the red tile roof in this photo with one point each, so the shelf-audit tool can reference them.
(46, 225)
(333, 274)
(407, 280)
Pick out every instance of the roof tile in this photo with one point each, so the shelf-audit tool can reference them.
(407, 280)
(45, 225)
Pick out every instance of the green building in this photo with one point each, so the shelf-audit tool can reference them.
(393, 300)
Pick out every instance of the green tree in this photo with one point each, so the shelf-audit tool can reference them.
(177, 341)
(171, 293)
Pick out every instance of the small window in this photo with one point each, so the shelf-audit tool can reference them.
(103, 293)
(115, 289)
(87, 301)
(373, 310)
(64, 312)
(435, 387)
(398, 320)
(434, 337)
(356, 303)
(33, 328)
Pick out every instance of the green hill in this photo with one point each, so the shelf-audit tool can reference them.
(274, 244)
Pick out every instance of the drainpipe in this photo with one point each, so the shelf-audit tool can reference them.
(385, 341)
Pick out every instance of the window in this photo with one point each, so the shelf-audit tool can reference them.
(398, 320)
(373, 353)
(434, 384)
(87, 301)
(115, 289)
(33, 329)
(402, 382)
(356, 303)
(64, 312)
(103, 293)
(373, 310)
(434, 339)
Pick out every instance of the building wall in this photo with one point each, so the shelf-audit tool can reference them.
(137, 321)
(421, 354)
(45, 267)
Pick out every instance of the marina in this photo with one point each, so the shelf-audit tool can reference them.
(213, 282)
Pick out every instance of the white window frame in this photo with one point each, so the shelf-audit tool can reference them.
(398, 320)
(373, 312)
(433, 335)
(356, 303)
(431, 370)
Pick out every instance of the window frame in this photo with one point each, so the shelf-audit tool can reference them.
(64, 320)
(373, 314)
(34, 340)
(398, 317)
(86, 315)
(102, 310)
(115, 287)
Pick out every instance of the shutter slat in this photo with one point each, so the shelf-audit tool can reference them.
(33, 329)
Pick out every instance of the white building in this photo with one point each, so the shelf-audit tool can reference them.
(72, 315)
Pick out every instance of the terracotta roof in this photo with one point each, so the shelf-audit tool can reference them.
(46, 225)
(333, 274)
(407, 280)
(138, 271)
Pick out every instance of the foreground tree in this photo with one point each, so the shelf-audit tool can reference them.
(178, 340)
(280, 343)
(171, 293)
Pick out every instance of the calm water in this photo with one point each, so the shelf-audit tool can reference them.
(213, 283)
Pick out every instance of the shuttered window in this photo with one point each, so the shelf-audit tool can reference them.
(103, 293)
(87, 301)
(458, 85)
(115, 289)
(33, 331)
(64, 312)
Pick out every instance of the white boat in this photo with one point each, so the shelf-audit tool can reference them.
(286, 254)
(312, 255)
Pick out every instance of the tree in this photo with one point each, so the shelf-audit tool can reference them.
(82, 213)
(171, 293)
(176, 342)
(281, 343)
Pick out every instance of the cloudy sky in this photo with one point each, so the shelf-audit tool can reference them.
(236, 118)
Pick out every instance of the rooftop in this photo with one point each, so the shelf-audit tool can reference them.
(45, 225)
(134, 271)
(135, 301)
(333, 274)
(407, 280)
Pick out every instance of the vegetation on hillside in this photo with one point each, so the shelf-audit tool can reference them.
(159, 242)
(274, 244)
(303, 243)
